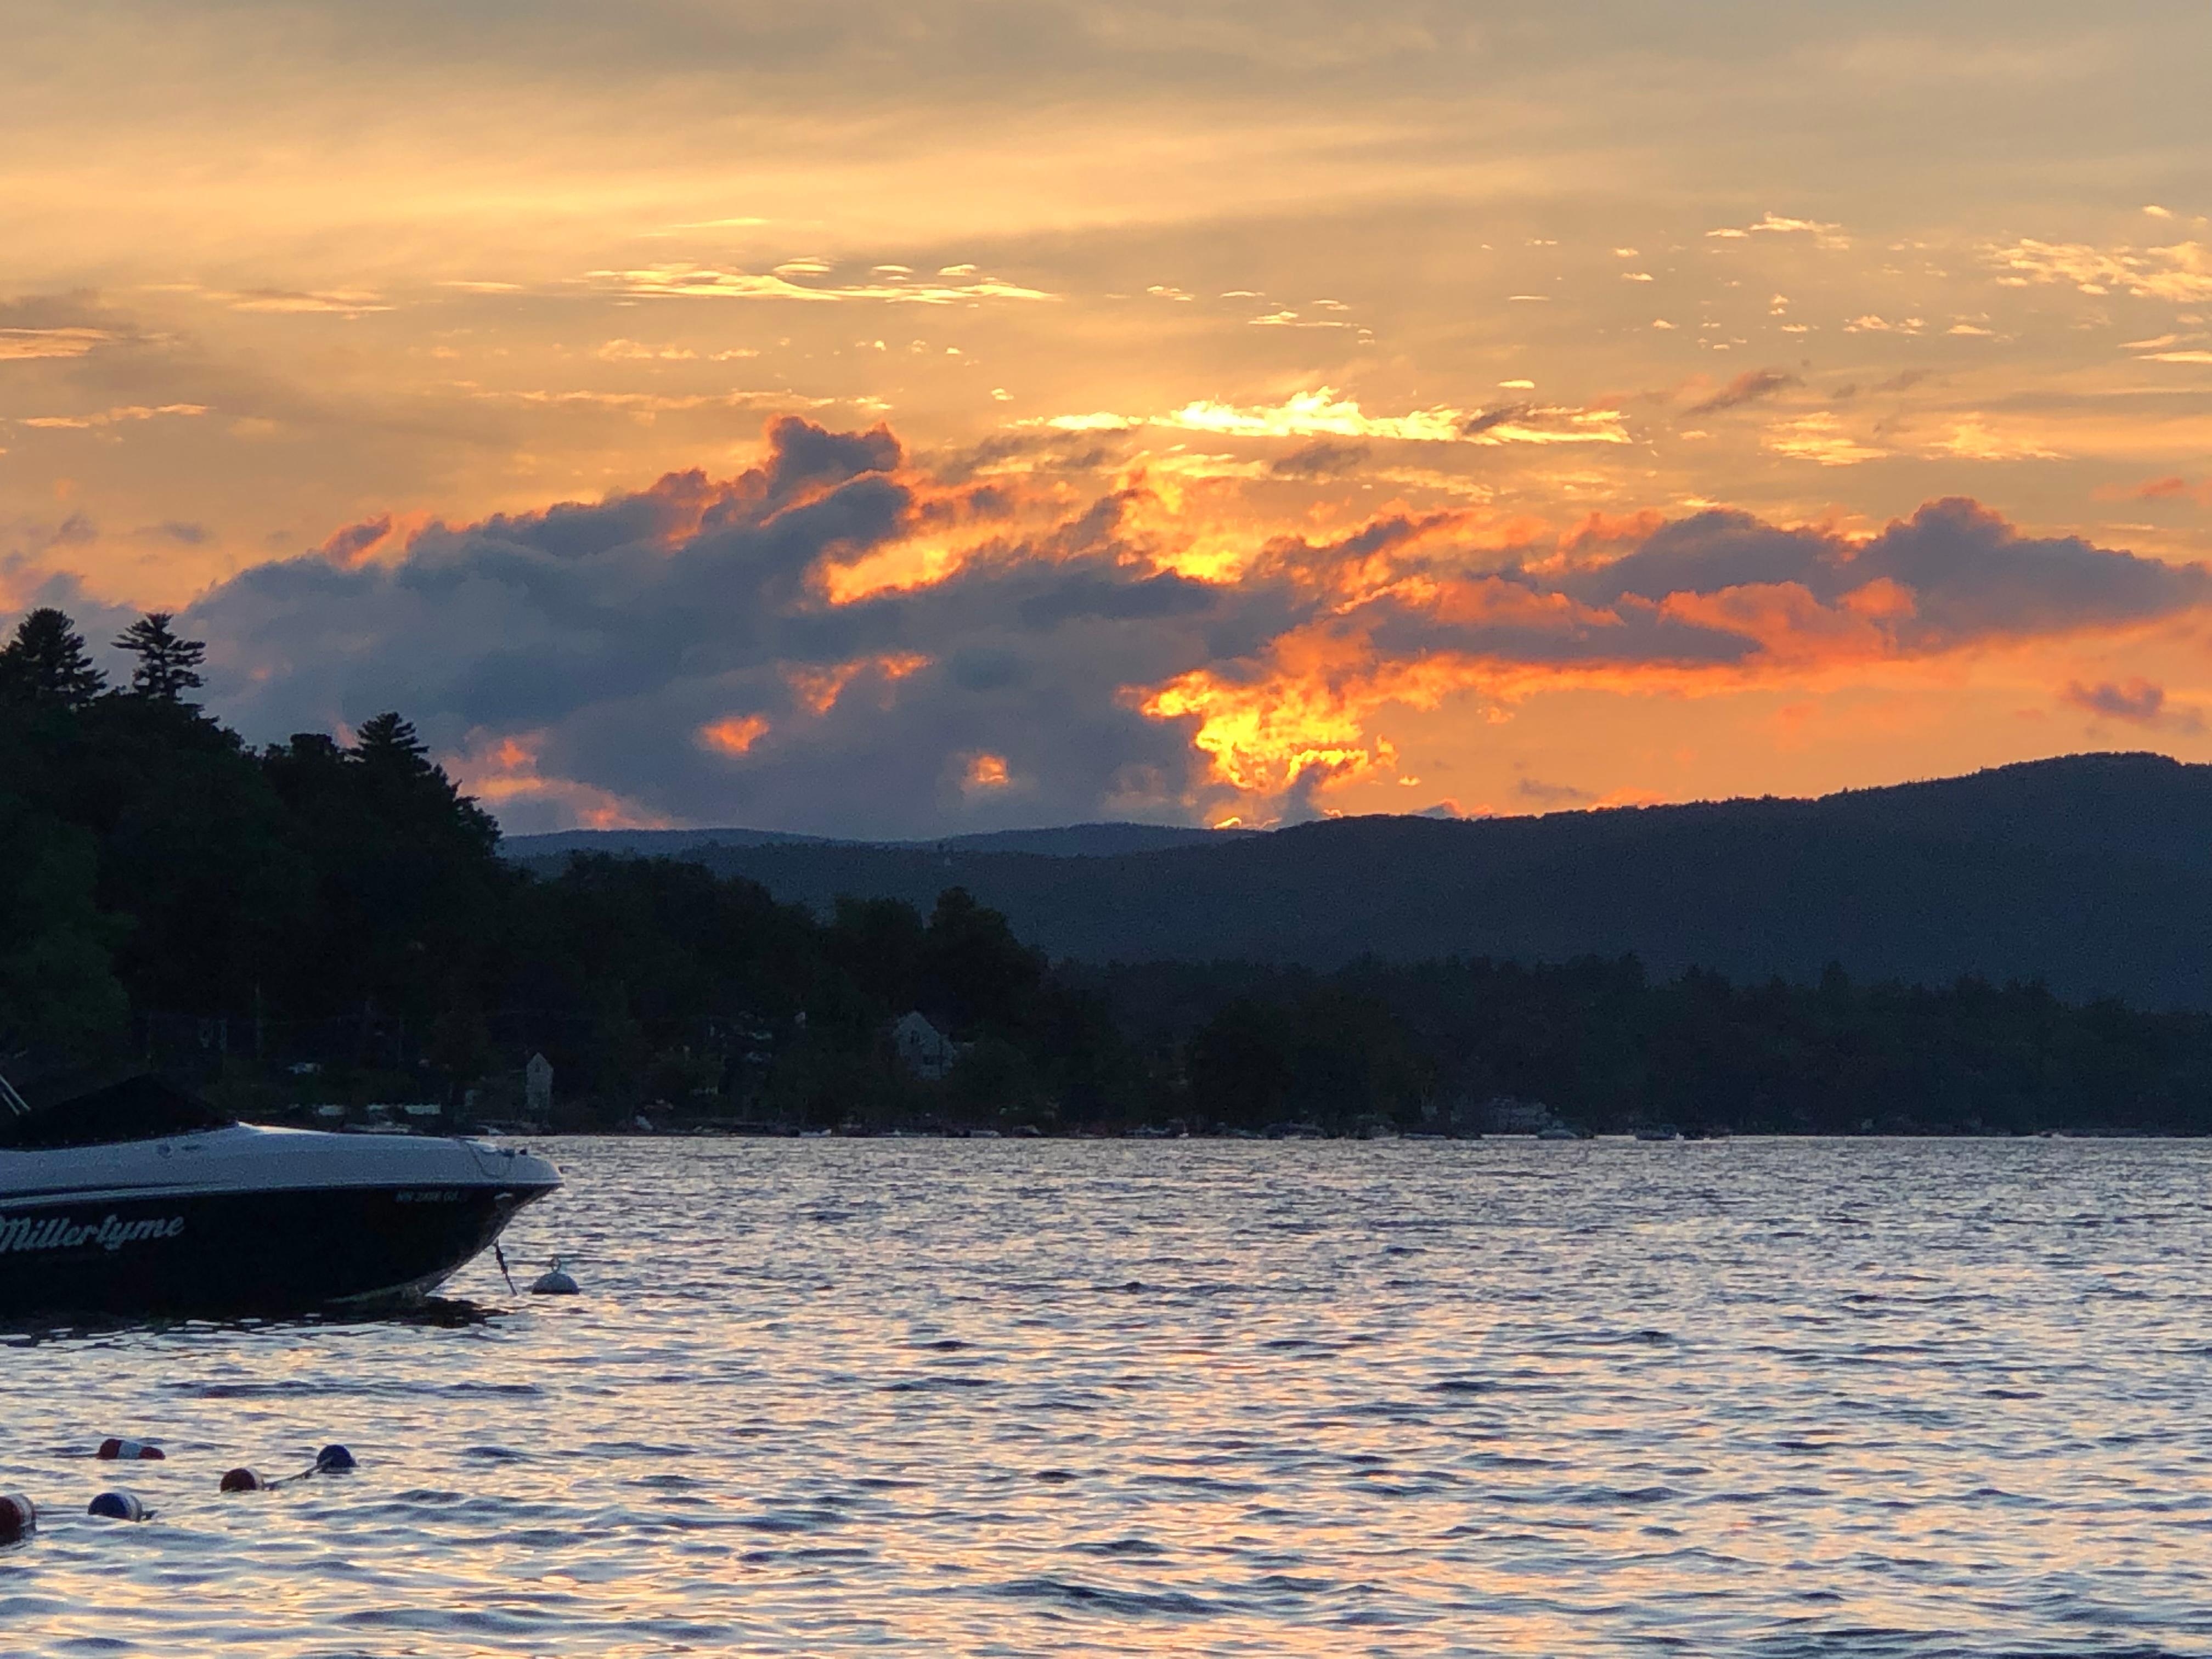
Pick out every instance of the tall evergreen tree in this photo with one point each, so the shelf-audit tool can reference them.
(46, 663)
(387, 739)
(167, 665)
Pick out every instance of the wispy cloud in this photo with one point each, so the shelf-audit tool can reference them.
(1973, 438)
(19, 344)
(113, 416)
(2180, 272)
(342, 302)
(657, 403)
(1751, 388)
(1821, 438)
(2172, 487)
(1823, 235)
(705, 281)
(1323, 413)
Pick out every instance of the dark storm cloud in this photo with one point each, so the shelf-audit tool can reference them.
(1970, 574)
(617, 631)
(1164, 595)
(674, 648)
(1976, 577)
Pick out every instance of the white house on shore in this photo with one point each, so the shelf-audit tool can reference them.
(538, 1087)
(921, 1047)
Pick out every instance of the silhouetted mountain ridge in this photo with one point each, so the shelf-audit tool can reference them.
(2090, 873)
(1063, 841)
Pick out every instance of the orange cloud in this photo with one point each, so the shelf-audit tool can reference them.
(988, 772)
(502, 771)
(733, 734)
(1321, 413)
(2171, 488)
(703, 282)
(818, 689)
(18, 344)
(1792, 626)
(1304, 718)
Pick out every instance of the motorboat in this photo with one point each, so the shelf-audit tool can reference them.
(141, 1200)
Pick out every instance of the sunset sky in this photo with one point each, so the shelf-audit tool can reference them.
(906, 418)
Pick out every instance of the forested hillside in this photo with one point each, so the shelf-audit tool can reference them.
(316, 924)
(2091, 873)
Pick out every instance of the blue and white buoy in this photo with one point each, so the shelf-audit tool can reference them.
(117, 1506)
(335, 1460)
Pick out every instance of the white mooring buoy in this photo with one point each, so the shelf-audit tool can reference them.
(554, 1282)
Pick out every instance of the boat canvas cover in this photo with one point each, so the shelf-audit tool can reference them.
(137, 1108)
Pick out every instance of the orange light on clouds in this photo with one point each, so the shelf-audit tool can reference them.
(1309, 712)
(1391, 421)
(503, 771)
(818, 689)
(895, 569)
(733, 734)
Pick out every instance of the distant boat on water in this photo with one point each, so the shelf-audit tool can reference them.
(1658, 1132)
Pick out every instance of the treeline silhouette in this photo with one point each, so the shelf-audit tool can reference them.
(2088, 871)
(323, 923)
(1609, 1050)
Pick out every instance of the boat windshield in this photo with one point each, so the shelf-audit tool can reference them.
(137, 1108)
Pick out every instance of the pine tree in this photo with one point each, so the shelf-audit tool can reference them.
(387, 739)
(167, 667)
(46, 663)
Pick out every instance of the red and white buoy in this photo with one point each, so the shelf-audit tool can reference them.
(18, 1518)
(113, 1450)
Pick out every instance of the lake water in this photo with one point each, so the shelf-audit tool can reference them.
(1766, 1398)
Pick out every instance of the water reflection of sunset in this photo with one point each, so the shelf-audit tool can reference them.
(1200, 1398)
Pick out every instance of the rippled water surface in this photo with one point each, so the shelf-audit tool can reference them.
(993, 1398)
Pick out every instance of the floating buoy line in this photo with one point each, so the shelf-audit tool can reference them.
(19, 1516)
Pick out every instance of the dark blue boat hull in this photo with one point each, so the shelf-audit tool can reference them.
(236, 1254)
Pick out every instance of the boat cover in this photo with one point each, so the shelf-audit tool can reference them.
(137, 1108)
